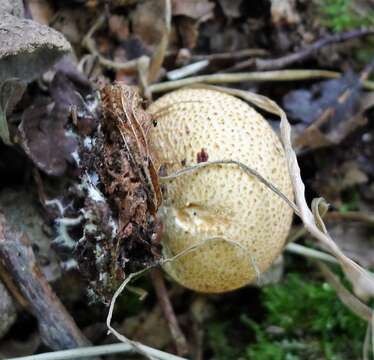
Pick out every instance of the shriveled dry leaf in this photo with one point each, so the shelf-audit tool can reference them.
(356, 240)
(307, 105)
(336, 176)
(45, 134)
(119, 27)
(231, 8)
(41, 11)
(71, 23)
(147, 21)
(149, 327)
(284, 12)
(329, 115)
(45, 140)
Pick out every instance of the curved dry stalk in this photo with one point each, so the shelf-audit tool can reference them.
(355, 305)
(136, 346)
(348, 299)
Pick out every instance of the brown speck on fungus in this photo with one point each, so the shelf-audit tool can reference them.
(202, 156)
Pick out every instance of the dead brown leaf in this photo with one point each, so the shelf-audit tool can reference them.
(355, 240)
(231, 8)
(194, 9)
(41, 11)
(147, 21)
(284, 12)
(119, 27)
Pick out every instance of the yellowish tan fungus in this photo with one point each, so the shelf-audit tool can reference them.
(241, 224)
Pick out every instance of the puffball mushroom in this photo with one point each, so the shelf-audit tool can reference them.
(234, 225)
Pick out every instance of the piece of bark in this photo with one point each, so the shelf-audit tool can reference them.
(58, 330)
(27, 48)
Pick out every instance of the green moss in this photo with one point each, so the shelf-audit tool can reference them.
(304, 320)
(345, 15)
(342, 15)
(219, 341)
(312, 317)
(351, 200)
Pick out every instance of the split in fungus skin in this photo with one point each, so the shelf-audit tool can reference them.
(238, 225)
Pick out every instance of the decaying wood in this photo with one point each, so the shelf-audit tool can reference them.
(120, 233)
(58, 329)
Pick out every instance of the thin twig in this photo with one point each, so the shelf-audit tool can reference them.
(303, 54)
(232, 55)
(167, 308)
(311, 253)
(367, 218)
(280, 75)
(91, 351)
(187, 70)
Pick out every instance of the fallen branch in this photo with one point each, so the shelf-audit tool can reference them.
(303, 54)
(58, 330)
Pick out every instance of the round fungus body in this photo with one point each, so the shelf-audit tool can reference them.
(234, 226)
